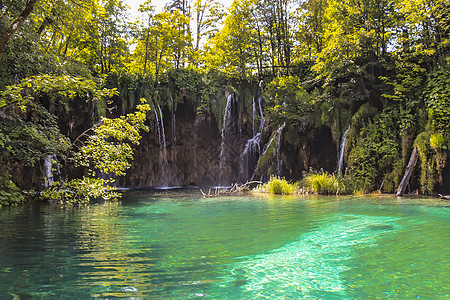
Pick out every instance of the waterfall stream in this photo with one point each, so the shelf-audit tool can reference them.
(252, 149)
(277, 135)
(159, 124)
(49, 160)
(225, 127)
(279, 160)
(158, 129)
(341, 151)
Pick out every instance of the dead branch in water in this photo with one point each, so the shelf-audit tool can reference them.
(234, 189)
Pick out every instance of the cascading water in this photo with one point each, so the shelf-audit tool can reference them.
(341, 151)
(174, 141)
(254, 116)
(48, 169)
(174, 138)
(158, 129)
(277, 155)
(250, 156)
(252, 148)
(159, 124)
(279, 160)
(261, 122)
(163, 135)
(225, 128)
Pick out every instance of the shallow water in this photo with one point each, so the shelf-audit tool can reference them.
(181, 246)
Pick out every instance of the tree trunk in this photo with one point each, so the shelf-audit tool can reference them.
(146, 52)
(408, 172)
(5, 36)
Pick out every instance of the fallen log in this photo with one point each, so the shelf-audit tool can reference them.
(408, 172)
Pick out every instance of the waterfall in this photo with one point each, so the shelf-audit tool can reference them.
(250, 156)
(279, 160)
(174, 138)
(252, 149)
(157, 124)
(174, 168)
(226, 121)
(341, 152)
(261, 124)
(163, 135)
(48, 169)
(277, 155)
(254, 116)
(163, 165)
(163, 153)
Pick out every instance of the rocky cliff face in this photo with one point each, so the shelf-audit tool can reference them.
(190, 157)
(201, 150)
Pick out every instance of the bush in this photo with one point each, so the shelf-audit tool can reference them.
(80, 191)
(10, 194)
(277, 185)
(325, 183)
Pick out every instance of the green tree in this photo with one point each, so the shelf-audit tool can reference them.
(29, 132)
(230, 50)
(6, 34)
(163, 42)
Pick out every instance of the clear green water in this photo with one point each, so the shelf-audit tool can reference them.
(181, 246)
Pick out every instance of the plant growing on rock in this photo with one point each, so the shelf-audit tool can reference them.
(29, 133)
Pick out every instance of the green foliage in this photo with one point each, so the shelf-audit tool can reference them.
(33, 87)
(433, 154)
(267, 162)
(81, 191)
(26, 142)
(324, 183)
(427, 166)
(278, 186)
(109, 149)
(437, 95)
(288, 102)
(29, 132)
(10, 194)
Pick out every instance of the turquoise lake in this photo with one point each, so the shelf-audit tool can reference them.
(178, 245)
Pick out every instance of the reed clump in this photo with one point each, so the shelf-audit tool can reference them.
(325, 183)
(277, 185)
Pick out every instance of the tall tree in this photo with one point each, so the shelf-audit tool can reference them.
(230, 50)
(16, 24)
(163, 42)
(208, 15)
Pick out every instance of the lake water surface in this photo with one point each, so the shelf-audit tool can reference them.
(182, 246)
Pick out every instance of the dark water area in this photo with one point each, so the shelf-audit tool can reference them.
(178, 245)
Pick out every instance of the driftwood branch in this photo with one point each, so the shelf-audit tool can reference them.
(235, 188)
(408, 172)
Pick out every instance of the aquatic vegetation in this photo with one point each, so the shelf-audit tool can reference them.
(277, 185)
(324, 183)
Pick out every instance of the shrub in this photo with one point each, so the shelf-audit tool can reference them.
(277, 185)
(325, 183)
(10, 194)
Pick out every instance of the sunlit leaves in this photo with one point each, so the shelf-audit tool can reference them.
(162, 44)
(289, 102)
(67, 86)
(109, 149)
